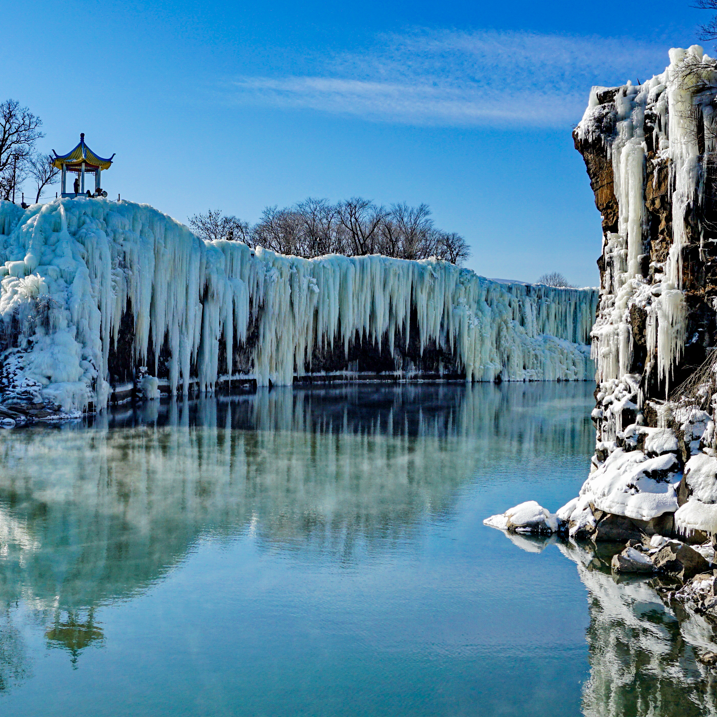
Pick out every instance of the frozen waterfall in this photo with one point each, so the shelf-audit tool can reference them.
(85, 280)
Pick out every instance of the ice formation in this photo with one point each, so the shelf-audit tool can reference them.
(669, 99)
(72, 271)
(649, 152)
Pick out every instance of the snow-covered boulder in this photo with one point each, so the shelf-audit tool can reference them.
(578, 516)
(632, 485)
(528, 517)
(699, 487)
(628, 495)
(632, 560)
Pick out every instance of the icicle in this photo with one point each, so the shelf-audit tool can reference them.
(93, 261)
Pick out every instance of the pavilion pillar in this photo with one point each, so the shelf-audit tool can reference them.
(64, 179)
(97, 179)
(82, 180)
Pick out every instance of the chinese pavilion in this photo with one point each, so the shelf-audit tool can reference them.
(81, 161)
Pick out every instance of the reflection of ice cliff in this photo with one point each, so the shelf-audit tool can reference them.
(642, 654)
(343, 471)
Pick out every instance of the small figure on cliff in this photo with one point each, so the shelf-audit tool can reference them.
(76, 185)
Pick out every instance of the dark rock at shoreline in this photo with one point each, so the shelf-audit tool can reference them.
(680, 561)
(614, 529)
(619, 529)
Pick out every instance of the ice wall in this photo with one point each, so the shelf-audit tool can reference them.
(74, 271)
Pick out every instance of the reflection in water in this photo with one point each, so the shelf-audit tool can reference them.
(13, 658)
(338, 476)
(643, 654)
(74, 632)
(642, 657)
(90, 515)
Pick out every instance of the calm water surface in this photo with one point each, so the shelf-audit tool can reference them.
(322, 552)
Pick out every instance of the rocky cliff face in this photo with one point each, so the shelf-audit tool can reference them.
(651, 155)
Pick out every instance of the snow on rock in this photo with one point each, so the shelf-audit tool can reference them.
(631, 560)
(578, 516)
(632, 485)
(528, 517)
(657, 541)
(73, 271)
(660, 441)
(700, 510)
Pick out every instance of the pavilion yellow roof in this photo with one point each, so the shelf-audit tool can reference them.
(81, 153)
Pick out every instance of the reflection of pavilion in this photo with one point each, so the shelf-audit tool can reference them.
(339, 471)
(81, 161)
(74, 634)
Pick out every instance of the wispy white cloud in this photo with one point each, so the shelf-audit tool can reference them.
(453, 78)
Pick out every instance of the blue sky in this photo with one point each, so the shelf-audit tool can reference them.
(464, 106)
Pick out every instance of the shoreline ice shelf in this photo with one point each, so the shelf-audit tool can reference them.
(96, 294)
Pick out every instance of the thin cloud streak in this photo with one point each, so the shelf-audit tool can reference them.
(450, 78)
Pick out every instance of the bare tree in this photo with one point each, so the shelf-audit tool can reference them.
(708, 30)
(213, 225)
(556, 279)
(354, 227)
(280, 231)
(320, 228)
(361, 219)
(19, 130)
(451, 247)
(44, 172)
(413, 229)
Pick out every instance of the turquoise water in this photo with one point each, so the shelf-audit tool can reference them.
(315, 552)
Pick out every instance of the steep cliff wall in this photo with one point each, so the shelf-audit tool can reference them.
(98, 295)
(651, 155)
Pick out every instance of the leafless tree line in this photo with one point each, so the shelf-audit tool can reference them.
(19, 160)
(353, 227)
(554, 278)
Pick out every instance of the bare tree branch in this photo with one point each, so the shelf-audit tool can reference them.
(40, 167)
(213, 226)
(19, 130)
(708, 30)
